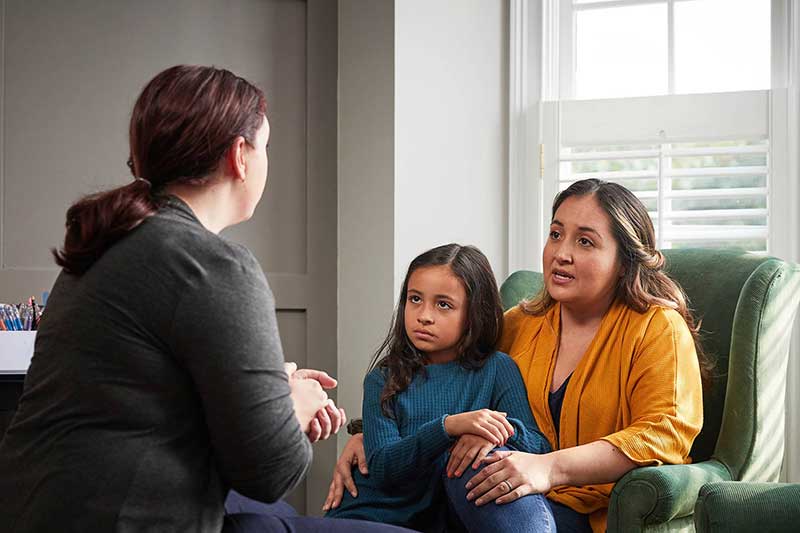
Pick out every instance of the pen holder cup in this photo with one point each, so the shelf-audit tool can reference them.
(16, 351)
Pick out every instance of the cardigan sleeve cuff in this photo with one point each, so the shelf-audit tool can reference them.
(633, 448)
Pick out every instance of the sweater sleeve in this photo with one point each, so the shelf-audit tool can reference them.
(225, 333)
(393, 459)
(664, 393)
(510, 396)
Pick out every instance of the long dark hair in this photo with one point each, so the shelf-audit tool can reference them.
(644, 282)
(183, 123)
(397, 355)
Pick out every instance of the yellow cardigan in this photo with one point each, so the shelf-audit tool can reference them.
(637, 387)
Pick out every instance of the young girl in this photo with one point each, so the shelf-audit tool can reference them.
(436, 378)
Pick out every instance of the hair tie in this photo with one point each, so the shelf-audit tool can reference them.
(137, 178)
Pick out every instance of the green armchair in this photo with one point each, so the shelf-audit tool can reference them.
(747, 304)
(741, 507)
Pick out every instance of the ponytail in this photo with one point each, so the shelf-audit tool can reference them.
(97, 221)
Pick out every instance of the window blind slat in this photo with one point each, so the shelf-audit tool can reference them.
(716, 172)
(716, 214)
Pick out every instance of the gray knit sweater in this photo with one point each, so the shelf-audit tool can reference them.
(157, 383)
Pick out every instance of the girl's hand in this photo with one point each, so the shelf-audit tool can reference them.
(491, 425)
(353, 454)
(468, 448)
(511, 475)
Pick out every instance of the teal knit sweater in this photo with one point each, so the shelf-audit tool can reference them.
(407, 455)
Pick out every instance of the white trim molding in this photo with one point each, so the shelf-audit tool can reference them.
(785, 195)
(524, 181)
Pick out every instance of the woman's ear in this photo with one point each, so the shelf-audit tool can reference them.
(236, 160)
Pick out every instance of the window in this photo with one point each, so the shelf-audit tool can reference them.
(625, 48)
(699, 158)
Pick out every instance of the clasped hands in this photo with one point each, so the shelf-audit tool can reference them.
(318, 415)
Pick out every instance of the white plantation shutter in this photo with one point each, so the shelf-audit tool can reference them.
(700, 163)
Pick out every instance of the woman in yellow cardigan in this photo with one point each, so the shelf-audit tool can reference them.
(609, 355)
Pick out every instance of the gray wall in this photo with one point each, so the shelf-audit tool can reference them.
(366, 188)
(71, 72)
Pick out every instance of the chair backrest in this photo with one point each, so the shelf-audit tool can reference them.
(735, 295)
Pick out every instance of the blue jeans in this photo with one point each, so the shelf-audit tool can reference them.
(244, 515)
(532, 513)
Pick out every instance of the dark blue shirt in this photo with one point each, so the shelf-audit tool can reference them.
(556, 400)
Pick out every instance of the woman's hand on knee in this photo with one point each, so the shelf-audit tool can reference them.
(352, 455)
(509, 476)
(468, 448)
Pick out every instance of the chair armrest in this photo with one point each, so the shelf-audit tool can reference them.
(658, 494)
(738, 506)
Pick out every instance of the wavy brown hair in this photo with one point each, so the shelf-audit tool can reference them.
(400, 360)
(644, 282)
(183, 122)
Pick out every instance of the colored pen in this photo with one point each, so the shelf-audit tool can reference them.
(7, 319)
(15, 316)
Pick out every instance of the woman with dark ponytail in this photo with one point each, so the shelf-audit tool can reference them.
(158, 381)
